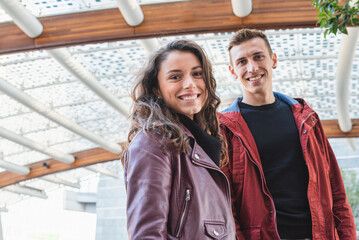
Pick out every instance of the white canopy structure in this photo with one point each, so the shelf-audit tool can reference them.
(59, 103)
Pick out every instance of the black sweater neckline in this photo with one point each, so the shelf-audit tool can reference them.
(211, 145)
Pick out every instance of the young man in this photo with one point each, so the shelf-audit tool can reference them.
(286, 182)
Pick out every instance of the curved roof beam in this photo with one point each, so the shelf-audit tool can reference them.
(133, 15)
(242, 8)
(63, 157)
(56, 117)
(12, 167)
(57, 180)
(150, 44)
(22, 18)
(64, 57)
(104, 171)
(33, 192)
(39, 169)
(345, 63)
(131, 12)
(15, 168)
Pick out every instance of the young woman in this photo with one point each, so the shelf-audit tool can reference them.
(175, 189)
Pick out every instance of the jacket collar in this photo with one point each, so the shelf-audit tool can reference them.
(234, 107)
(197, 154)
(233, 120)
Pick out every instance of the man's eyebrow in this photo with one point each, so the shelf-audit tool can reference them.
(238, 59)
(259, 52)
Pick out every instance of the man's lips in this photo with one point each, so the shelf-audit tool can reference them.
(255, 78)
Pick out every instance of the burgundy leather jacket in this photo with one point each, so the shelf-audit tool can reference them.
(173, 195)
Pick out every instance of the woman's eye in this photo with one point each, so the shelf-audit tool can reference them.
(197, 74)
(174, 77)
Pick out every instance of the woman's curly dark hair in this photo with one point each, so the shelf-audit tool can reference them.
(150, 113)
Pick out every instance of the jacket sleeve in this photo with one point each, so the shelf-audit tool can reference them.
(343, 216)
(148, 180)
(227, 170)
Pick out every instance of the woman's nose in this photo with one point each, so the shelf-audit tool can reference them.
(188, 82)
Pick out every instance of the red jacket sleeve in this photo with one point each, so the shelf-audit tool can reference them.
(343, 216)
(148, 179)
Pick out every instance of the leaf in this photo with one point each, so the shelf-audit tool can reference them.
(344, 30)
(334, 17)
(355, 21)
(325, 33)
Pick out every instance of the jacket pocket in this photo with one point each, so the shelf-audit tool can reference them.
(215, 229)
(184, 212)
(253, 233)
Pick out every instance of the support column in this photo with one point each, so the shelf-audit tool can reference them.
(345, 63)
(111, 209)
(1, 234)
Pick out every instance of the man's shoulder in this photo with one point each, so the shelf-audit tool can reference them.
(287, 99)
(233, 107)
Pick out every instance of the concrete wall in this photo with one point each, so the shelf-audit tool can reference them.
(111, 209)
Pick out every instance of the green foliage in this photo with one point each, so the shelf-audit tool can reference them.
(335, 17)
(351, 183)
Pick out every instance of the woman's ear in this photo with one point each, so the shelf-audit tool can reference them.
(158, 93)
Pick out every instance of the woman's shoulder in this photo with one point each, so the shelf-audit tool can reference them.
(146, 139)
(148, 148)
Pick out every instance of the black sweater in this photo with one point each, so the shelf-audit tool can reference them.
(211, 145)
(277, 138)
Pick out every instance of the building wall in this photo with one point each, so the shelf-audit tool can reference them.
(111, 209)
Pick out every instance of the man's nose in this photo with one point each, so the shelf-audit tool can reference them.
(252, 66)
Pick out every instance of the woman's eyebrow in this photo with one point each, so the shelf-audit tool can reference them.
(196, 67)
(173, 70)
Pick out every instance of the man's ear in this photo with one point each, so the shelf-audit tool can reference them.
(231, 69)
(274, 58)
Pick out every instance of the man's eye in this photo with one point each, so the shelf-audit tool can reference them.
(258, 57)
(241, 62)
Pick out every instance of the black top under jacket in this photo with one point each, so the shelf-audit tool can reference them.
(277, 138)
(211, 145)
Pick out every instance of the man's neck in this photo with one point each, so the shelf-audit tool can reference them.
(258, 99)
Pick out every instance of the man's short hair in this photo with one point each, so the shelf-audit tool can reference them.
(245, 34)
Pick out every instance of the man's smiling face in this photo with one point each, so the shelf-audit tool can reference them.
(252, 64)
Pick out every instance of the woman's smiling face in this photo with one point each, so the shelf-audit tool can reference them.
(181, 83)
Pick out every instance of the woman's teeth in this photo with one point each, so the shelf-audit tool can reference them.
(189, 97)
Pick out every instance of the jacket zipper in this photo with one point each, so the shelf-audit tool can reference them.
(306, 163)
(187, 199)
(225, 177)
(270, 196)
(228, 187)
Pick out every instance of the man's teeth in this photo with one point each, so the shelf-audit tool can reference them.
(190, 97)
(255, 78)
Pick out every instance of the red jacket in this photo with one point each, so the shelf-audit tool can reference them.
(252, 204)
